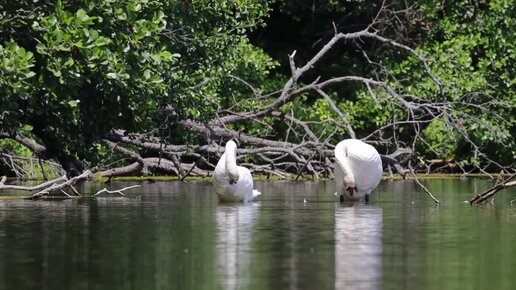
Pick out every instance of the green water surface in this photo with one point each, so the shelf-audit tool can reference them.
(175, 235)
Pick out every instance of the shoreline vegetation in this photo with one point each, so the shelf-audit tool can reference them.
(420, 176)
(150, 88)
(63, 188)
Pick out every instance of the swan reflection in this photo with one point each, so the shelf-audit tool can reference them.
(358, 247)
(234, 224)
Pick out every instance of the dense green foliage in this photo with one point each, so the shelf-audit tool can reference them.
(76, 69)
(73, 70)
(469, 45)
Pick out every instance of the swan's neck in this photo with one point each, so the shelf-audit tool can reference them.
(231, 165)
(341, 158)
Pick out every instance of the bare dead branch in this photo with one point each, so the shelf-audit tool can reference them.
(424, 187)
(351, 132)
(35, 147)
(59, 186)
(119, 191)
(31, 188)
(489, 193)
(131, 169)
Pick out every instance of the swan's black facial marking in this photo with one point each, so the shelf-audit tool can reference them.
(232, 181)
(350, 190)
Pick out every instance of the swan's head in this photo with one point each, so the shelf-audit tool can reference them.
(233, 177)
(349, 185)
(348, 180)
(231, 166)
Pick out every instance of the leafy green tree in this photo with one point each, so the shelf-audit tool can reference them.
(470, 44)
(469, 48)
(74, 70)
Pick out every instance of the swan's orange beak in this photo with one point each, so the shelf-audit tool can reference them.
(350, 190)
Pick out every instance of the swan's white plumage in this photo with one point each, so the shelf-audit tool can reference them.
(358, 165)
(233, 183)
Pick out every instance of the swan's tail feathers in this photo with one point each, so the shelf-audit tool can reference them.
(256, 193)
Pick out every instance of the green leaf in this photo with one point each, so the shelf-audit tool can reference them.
(100, 41)
(41, 48)
(167, 56)
(73, 103)
(147, 74)
(81, 15)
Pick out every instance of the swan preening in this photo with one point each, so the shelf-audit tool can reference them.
(358, 169)
(233, 183)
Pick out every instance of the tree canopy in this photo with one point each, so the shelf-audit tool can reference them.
(83, 78)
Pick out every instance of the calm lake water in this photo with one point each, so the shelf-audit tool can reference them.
(173, 235)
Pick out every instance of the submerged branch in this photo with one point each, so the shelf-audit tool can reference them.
(428, 192)
(119, 191)
(487, 194)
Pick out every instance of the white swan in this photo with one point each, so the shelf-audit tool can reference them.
(232, 182)
(358, 169)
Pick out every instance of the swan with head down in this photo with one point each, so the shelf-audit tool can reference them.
(358, 169)
(233, 183)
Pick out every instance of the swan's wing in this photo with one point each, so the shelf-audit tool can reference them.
(367, 168)
(249, 190)
(245, 183)
(242, 190)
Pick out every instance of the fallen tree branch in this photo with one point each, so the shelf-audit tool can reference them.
(156, 164)
(487, 194)
(60, 186)
(133, 168)
(428, 192)
(330, 102)
(119, 191)
(34, 146)
(31, 188)
(26, 167)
